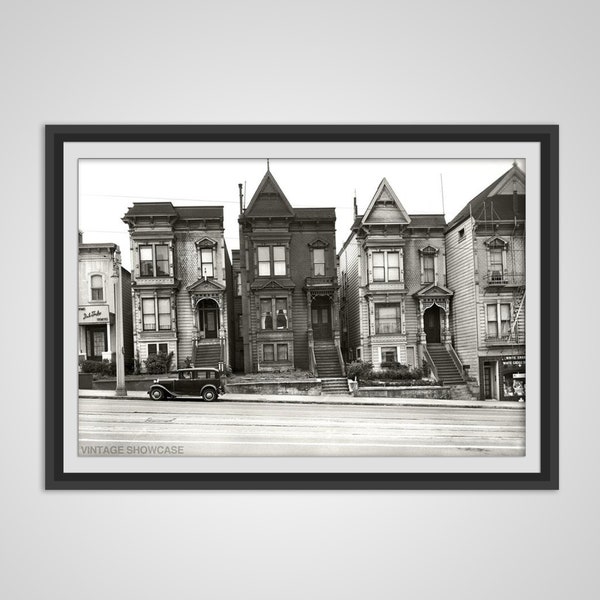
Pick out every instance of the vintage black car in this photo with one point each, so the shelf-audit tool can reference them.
(201, 382)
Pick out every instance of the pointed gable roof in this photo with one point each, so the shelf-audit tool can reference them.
(385, 207)
(501, 191)
(269, 200)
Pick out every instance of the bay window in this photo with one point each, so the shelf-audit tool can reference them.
(388, 318)
(386, 266)
(271, 261)
(154, 260)
(151, 307)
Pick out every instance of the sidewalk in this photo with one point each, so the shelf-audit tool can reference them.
(347, 400)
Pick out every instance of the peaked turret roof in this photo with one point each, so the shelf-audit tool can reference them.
(269, 200)
(385, 207)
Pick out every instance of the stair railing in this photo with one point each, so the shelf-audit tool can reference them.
(431, 364)
(457, 362)
(312, 361)
(336, 343)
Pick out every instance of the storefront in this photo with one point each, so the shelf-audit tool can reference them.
(502, 377)
(96, 338)
(513, 377)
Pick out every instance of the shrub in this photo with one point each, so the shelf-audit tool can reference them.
(105, 368)
(159, 363)
(359, 370)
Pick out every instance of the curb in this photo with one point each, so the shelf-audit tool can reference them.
(349, 401)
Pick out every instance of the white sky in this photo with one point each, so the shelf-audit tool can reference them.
(108, 187)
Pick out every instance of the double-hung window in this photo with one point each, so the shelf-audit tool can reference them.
(388, 318)
(386, 266)
(318, 262)
(97, 287)
(154, 260)
(498, 320)
(153, 307)
(428, 264)
(271, 261)
(206, 262)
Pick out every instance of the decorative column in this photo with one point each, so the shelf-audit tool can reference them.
(447, 337)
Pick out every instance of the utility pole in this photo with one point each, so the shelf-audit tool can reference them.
(121, 390)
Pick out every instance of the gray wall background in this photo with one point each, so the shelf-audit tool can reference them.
(302, 62)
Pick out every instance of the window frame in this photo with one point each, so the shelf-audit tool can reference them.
(429, 252)
(386, 266)
(498, 321)
(320, 263)
(156, 313)
(271, 262)
(93, 289)
(398, 320)
(154, 260)
(211, 262)
(272, 301)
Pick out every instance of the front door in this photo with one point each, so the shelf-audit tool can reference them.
(95, 342)
(208, 319)
(431, 320)
(321, 318)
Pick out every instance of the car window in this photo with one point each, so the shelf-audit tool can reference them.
(185, 375)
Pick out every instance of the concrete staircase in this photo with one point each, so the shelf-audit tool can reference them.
(334, 386)
(207, 355)
(446, 369)
(328, 364)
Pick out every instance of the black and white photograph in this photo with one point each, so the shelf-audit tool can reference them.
(275, 307)
(310, 306)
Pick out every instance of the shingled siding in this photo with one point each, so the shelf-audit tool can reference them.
(461, 279)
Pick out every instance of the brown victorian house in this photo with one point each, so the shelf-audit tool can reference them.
(289, 285)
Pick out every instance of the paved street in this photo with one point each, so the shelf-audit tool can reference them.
(190, 428)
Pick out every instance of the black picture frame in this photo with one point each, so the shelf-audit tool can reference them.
(56, 136)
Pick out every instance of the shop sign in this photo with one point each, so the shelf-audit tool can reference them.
(93, 314)
(513, 361)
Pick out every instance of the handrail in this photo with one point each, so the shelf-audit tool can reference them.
(456, 360)
(340, 357)
(429, 360)
(312, 360)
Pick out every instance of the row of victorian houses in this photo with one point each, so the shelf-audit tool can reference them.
(404, 288)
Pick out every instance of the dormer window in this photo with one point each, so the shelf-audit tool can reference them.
(428, 264)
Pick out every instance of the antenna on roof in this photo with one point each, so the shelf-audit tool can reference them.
(442, 186)
(355, 207)
(241, 198)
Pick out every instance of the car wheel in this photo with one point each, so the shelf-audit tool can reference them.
(157, 394)
(209, 394)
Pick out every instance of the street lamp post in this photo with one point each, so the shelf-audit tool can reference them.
(121, 390)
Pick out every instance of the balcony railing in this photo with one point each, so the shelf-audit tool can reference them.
(317, 282)
(500, 278)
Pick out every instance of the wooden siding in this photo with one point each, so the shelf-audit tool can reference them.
(460, 269)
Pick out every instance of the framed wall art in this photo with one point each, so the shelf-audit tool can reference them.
(301, 307)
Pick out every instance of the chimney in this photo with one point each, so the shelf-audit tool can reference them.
(241, 198)
(355, 207)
